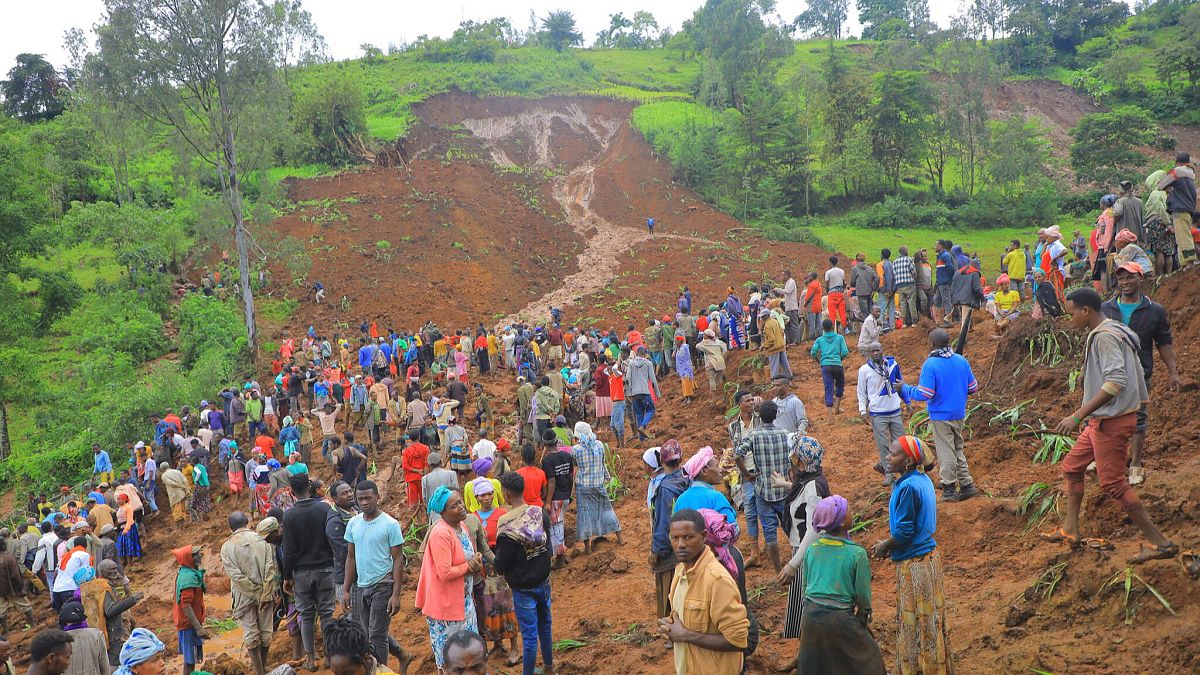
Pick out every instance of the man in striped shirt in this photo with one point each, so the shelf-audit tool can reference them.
(905, 270)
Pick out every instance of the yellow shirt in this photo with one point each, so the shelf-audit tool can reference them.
(1014, 262)
(472, 502)
(493, 346)
(439, 347)
(711, 604)
(1007, 300)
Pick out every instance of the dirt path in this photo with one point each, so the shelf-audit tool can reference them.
(598, 262)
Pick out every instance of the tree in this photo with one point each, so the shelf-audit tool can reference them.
(891, 19)
(734, 34)
(969, 71)
(644, 30)
(845, 98)
(33, 89)
(1022, 152)
(208, 69)
(899, 117)
(371, 53)
(330, 118)
(612, 36)
(297, 40)
(1104, 145)
(558, 30)
(824, 17)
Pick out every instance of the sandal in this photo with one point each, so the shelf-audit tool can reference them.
(1137, 475)
(1058, 535)
(1096, 544)
(1191, 563)
(1147, 553)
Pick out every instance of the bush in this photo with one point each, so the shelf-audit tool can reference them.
(206, 325)
(117, 321)
(330, 119)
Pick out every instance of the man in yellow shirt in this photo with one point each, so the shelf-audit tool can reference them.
(1014, 265)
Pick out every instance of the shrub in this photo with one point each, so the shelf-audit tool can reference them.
(330, 119)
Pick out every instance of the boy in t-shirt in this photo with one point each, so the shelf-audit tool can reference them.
(536, 484)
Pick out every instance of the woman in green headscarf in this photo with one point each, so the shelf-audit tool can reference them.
(1160, 236)
(450, 569)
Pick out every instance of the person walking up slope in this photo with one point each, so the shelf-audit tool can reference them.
(946, 381)
(830, 351)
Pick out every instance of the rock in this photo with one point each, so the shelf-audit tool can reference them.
(1017, 616)
(620, 565)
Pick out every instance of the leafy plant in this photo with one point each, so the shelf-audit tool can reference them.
(569, 644)
(1036, 502)
(1053, 448)
(1011, 416)
(615, 487)
(1073, 380)
(1126, 579)
(1049, 579)
(919, 424)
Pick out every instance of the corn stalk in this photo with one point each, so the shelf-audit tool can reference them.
(1126, 579)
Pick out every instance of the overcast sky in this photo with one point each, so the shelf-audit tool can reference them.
(38, 26)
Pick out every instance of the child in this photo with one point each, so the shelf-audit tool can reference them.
(830, 351)
(188, 612)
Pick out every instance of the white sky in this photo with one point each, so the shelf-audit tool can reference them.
(38, 26)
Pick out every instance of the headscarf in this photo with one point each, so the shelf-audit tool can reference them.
(437, 502)
(84, 575)
(482, 466)
(288, 421)
(670, 452)
(830, 513)
(524, 526)
(915, 449)
(482, 486)
(266, 526)
(810, 452)
(1125, 237)
(719, 534)
(650, 457)
(583, 431)
(697, 462)
(1053, 232)
(1003, 279)
(189, 575)
(72, 616)
(139, 647)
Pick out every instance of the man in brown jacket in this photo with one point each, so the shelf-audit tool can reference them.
(774, 346)
(253, 580)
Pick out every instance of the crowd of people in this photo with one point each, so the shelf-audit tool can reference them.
(486, 510)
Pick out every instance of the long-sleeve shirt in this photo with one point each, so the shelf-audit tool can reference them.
(249, 563)
(877, 394)
(662, 505)
(101, 463)
(328, 420)
(549, 403)
(1111, 364)
(769, 445)
(912, 516)
(946, 381)
(869, 332)
(640, 377)
(304, 543)
(792, 416)
(837, 574)
(701, 495)
(830, 349)
(712, 604)
(905, 270)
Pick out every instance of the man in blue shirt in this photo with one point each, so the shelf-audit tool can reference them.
(102, 469)
(365, 354)
(946, 381)
(944, 274)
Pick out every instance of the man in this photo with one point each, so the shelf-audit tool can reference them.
(887, 290)
(178, 491)
(811, 305)
(1127, 212)
(102, 469)
(835, 290)
(1114, 388)
(430, 482)
(711, 632)
(865, 281)
(254, 414)
(904, 269)
(791, 307)
(484, 447)
(662, 503)
(714, 359)
(946, 381)
(50, 653)
(1014, 265)
(188, 612)
(869, 333)
(769, 446)
(1181, 204)
(1149, 320)
(640, 380)
(554, 337)
(413, 460)
(523, 559)
(340, 513)
(308, 564)
(747, 419)
(880, 395)
(328, 418)
(249, 562)
(830, 351)
(465, 653)
(374, 573)
(966, 291)
(791, 416)
(774, 346)
(944, 270)
(12, 588)
(558, 465)
(64, 582)
(549, 405)
(349, 461)
(525, 393)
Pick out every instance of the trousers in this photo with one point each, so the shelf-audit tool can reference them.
(315, 596)
(532, 607)
(908, 305)
(885, 429)
(948, 443)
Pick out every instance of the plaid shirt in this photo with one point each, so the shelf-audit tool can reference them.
(769, 445)
(905, 271)
(592, 472)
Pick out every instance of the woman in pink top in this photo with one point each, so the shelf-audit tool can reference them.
(462, 364)
(449, 571)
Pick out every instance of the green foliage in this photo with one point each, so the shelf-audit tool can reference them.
(1036, 503)
(478, 42)
(1104, 145)
(329, 117)
(208, 325)
(558, 31)
(58, 294)
(24, 194)
(33, 89)
(143, 237)
(117, 321)
(1022, 151)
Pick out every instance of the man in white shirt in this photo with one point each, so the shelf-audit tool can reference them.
(483, 448)
(47, 554)
(791, 307)
(880, 397)
(869, 333)
(64, 582)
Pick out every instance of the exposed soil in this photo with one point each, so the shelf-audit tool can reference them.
(595, 180)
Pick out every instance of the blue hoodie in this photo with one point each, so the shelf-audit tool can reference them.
(945, 383)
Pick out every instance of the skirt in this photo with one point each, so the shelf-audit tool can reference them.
(460, 458)
(129, 544)
(261, 498)
(922, 643)
(558, 535)
(237, 481)
(201, 501)
(603, 406)
(833, 641)
(499, 615)
(594, 515)
(689, 386)
(440, 631)
(795, 599)
(283, 499)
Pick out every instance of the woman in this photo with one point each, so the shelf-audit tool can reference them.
(104, 610)
(482, 357)
(594, 515)
(1105, 223)
(1053, 260)
(922, 639)
(306, 437)
(483, 469)
(719, 535)
(235, 470)
(201, 500)
(279, 491)
(1127, 250)
(683, 366)
(484, 418)
(602, 389)
(1160, 235)
(462, 364)
(142, 654)
(444, 589)
(1044, 295)
(129, 542)
(295, 467)
(837, 599)
(653, 461)
(262, 485)
(289, 437)
(499, 616)
(808, 488)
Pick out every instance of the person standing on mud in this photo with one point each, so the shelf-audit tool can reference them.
(946, 381)
(768, 445)
(774, 346)
(880, 395)
(650, 225)
(308, 564)
(662, 498)
(249, 561)
(1114, 388)
(640, 382)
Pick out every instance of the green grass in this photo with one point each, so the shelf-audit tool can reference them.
(648, 69)
(88, 264)
(387, 128)
(279, 173)
(989, 243)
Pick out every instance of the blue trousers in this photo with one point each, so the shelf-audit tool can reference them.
(834, 379)
(750, 506)
(643, 409)
(617, 419)
(533, 616)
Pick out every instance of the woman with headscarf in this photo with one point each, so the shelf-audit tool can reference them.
(262, 484)
(88, 654)
(499, 615)
(1053, 260)
(188, 612)
(808, 488)
(462, 364)
(594, 515)
(704, 470)
(279, 491)
(142, 654)
(235, 470)
(922, 639)
(289, 436)
(1160, 234)
(719, 535)
(837, 599)
(129, 542)
(683, 366)
(201, 500)
(104, 610)
(445, 586)
(1128, 251)
(483, 469)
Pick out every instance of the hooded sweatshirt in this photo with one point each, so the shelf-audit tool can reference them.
(1111, 364)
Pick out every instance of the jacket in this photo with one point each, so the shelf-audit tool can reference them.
(442, 584)
(945, 383)
(549, 403)
(966, 287)
(712, 605)
(662, 505)
(912, 516)
(1110, 363)
(1182, 197)
(772, 337)
(878, 395)
(830, 349)
(1149, 321)
(945, 268)
(888, 282)
(640, 377)
(524, 568)
(714, 353)
(863, 279)
(304, 544)
(249, 561)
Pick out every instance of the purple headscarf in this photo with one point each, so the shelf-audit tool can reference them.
(719, 534)
(830, 513)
